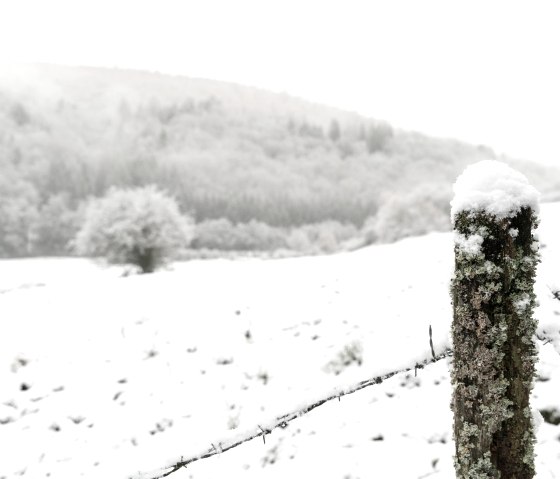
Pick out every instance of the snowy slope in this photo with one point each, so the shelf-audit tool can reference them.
(108, 376)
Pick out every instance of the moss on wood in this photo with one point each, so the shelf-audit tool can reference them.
(494, 354)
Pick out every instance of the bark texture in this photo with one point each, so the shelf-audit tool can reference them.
(494, 353)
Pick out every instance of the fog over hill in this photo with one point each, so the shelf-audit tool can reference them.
(303, 175)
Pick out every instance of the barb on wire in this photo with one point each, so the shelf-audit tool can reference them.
(432, 344)
(282, 421)
(263, 434)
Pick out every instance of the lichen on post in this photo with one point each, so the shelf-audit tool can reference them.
(494, 212)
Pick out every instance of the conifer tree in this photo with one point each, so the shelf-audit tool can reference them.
(334, 130)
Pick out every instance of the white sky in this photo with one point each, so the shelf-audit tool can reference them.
(482, 71)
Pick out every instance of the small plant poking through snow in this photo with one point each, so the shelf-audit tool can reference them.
(264, 377)
(233, 422)
(351, 354)
(551, 415)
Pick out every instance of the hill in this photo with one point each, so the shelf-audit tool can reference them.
(225, 151)
(108, 376)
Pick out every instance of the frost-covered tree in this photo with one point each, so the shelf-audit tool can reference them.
(334, 130)
(18, 212)
(416, 212)
(377, 136)
(55, 225)
(493, 212)
(141, 226)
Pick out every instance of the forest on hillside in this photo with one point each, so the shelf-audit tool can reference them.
(256, 170)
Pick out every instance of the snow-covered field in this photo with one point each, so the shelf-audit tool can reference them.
(104, 376)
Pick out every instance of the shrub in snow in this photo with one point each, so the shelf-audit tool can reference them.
(325, 237)
(222, 234)
(142, 226)
(493, 213)
(258, 236)
(417, 212)
(18, 212)
(329, 236)
(298, 240)
(55, 225)
(218, 234)
(351, 354)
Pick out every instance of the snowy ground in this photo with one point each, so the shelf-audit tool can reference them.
(108, 376)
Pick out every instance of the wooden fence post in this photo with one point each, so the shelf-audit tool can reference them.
(494, 212)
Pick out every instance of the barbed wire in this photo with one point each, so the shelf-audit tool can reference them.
(282, 421)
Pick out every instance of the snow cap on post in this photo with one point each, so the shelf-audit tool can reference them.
(494, 188)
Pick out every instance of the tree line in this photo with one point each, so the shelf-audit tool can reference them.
(287, 167)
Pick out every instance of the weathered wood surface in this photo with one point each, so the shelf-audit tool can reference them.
(494, 353)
